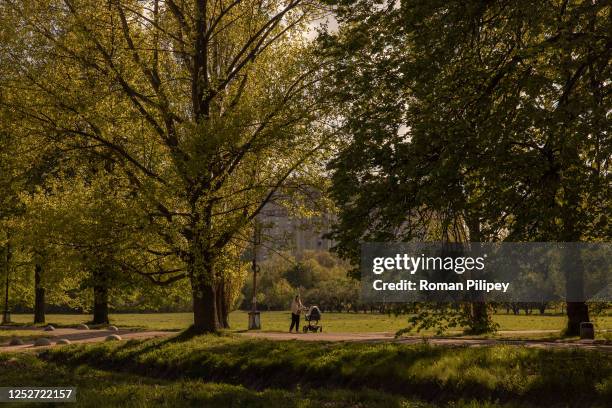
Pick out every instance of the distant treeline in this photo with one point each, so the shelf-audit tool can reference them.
(319, 277)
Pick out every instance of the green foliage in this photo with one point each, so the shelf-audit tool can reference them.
(442, 317)
(471, 121)
(187, 118)
(443, 374)
(319, 277)
(471, 110)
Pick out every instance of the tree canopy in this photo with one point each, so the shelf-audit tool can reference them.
(473, 121)
(200, 112)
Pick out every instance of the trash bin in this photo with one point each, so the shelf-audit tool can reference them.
(254, 321)
(587, 330)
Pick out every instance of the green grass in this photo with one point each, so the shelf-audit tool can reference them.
(100, 388)
(440, 375)
(332, 322)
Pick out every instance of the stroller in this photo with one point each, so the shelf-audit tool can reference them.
(313, 315)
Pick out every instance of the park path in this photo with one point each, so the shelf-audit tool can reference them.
(79, 336)
(97, 335)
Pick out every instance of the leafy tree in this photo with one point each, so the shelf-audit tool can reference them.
(301, 275)
(7, 210)
(389, 176)
(318, 276)
(19, 170)
(208, 108)
(474, 120)
(279, 295)
(82, 225)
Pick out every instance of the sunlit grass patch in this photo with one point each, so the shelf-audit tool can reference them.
(505, 373)
(332, 322)
(100, 388)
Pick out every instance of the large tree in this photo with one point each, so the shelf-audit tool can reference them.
(207, 107)
(492, 114)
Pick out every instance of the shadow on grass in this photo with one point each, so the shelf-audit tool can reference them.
(499, 373)
(98, 388)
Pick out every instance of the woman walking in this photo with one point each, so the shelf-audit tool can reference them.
(296, 310)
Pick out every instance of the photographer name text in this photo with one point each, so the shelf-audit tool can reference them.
(414, 264)
(479, 285)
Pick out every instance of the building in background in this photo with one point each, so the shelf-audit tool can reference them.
(285, 232)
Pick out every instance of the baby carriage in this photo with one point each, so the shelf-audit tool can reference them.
(312, 317)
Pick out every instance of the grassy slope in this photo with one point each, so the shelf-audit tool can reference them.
(333, 322)
(99, 388)
(516, 375)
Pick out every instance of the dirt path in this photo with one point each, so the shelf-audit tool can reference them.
(80, 336)
(91, 336)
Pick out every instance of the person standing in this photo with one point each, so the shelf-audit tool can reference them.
(296, 310)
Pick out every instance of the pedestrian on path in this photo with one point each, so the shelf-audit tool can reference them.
(296, 311)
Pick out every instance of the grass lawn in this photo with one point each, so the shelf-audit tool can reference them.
(228, 370)
(102, 388)
(332, 322)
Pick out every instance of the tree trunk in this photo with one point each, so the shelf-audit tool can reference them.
(577, 309)
(219, 302)
(100, 288)
(480, 319)
(39, 295)
(6, 316)
(577, 312)
(202, 275)
(205, 316)
(222, 305)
